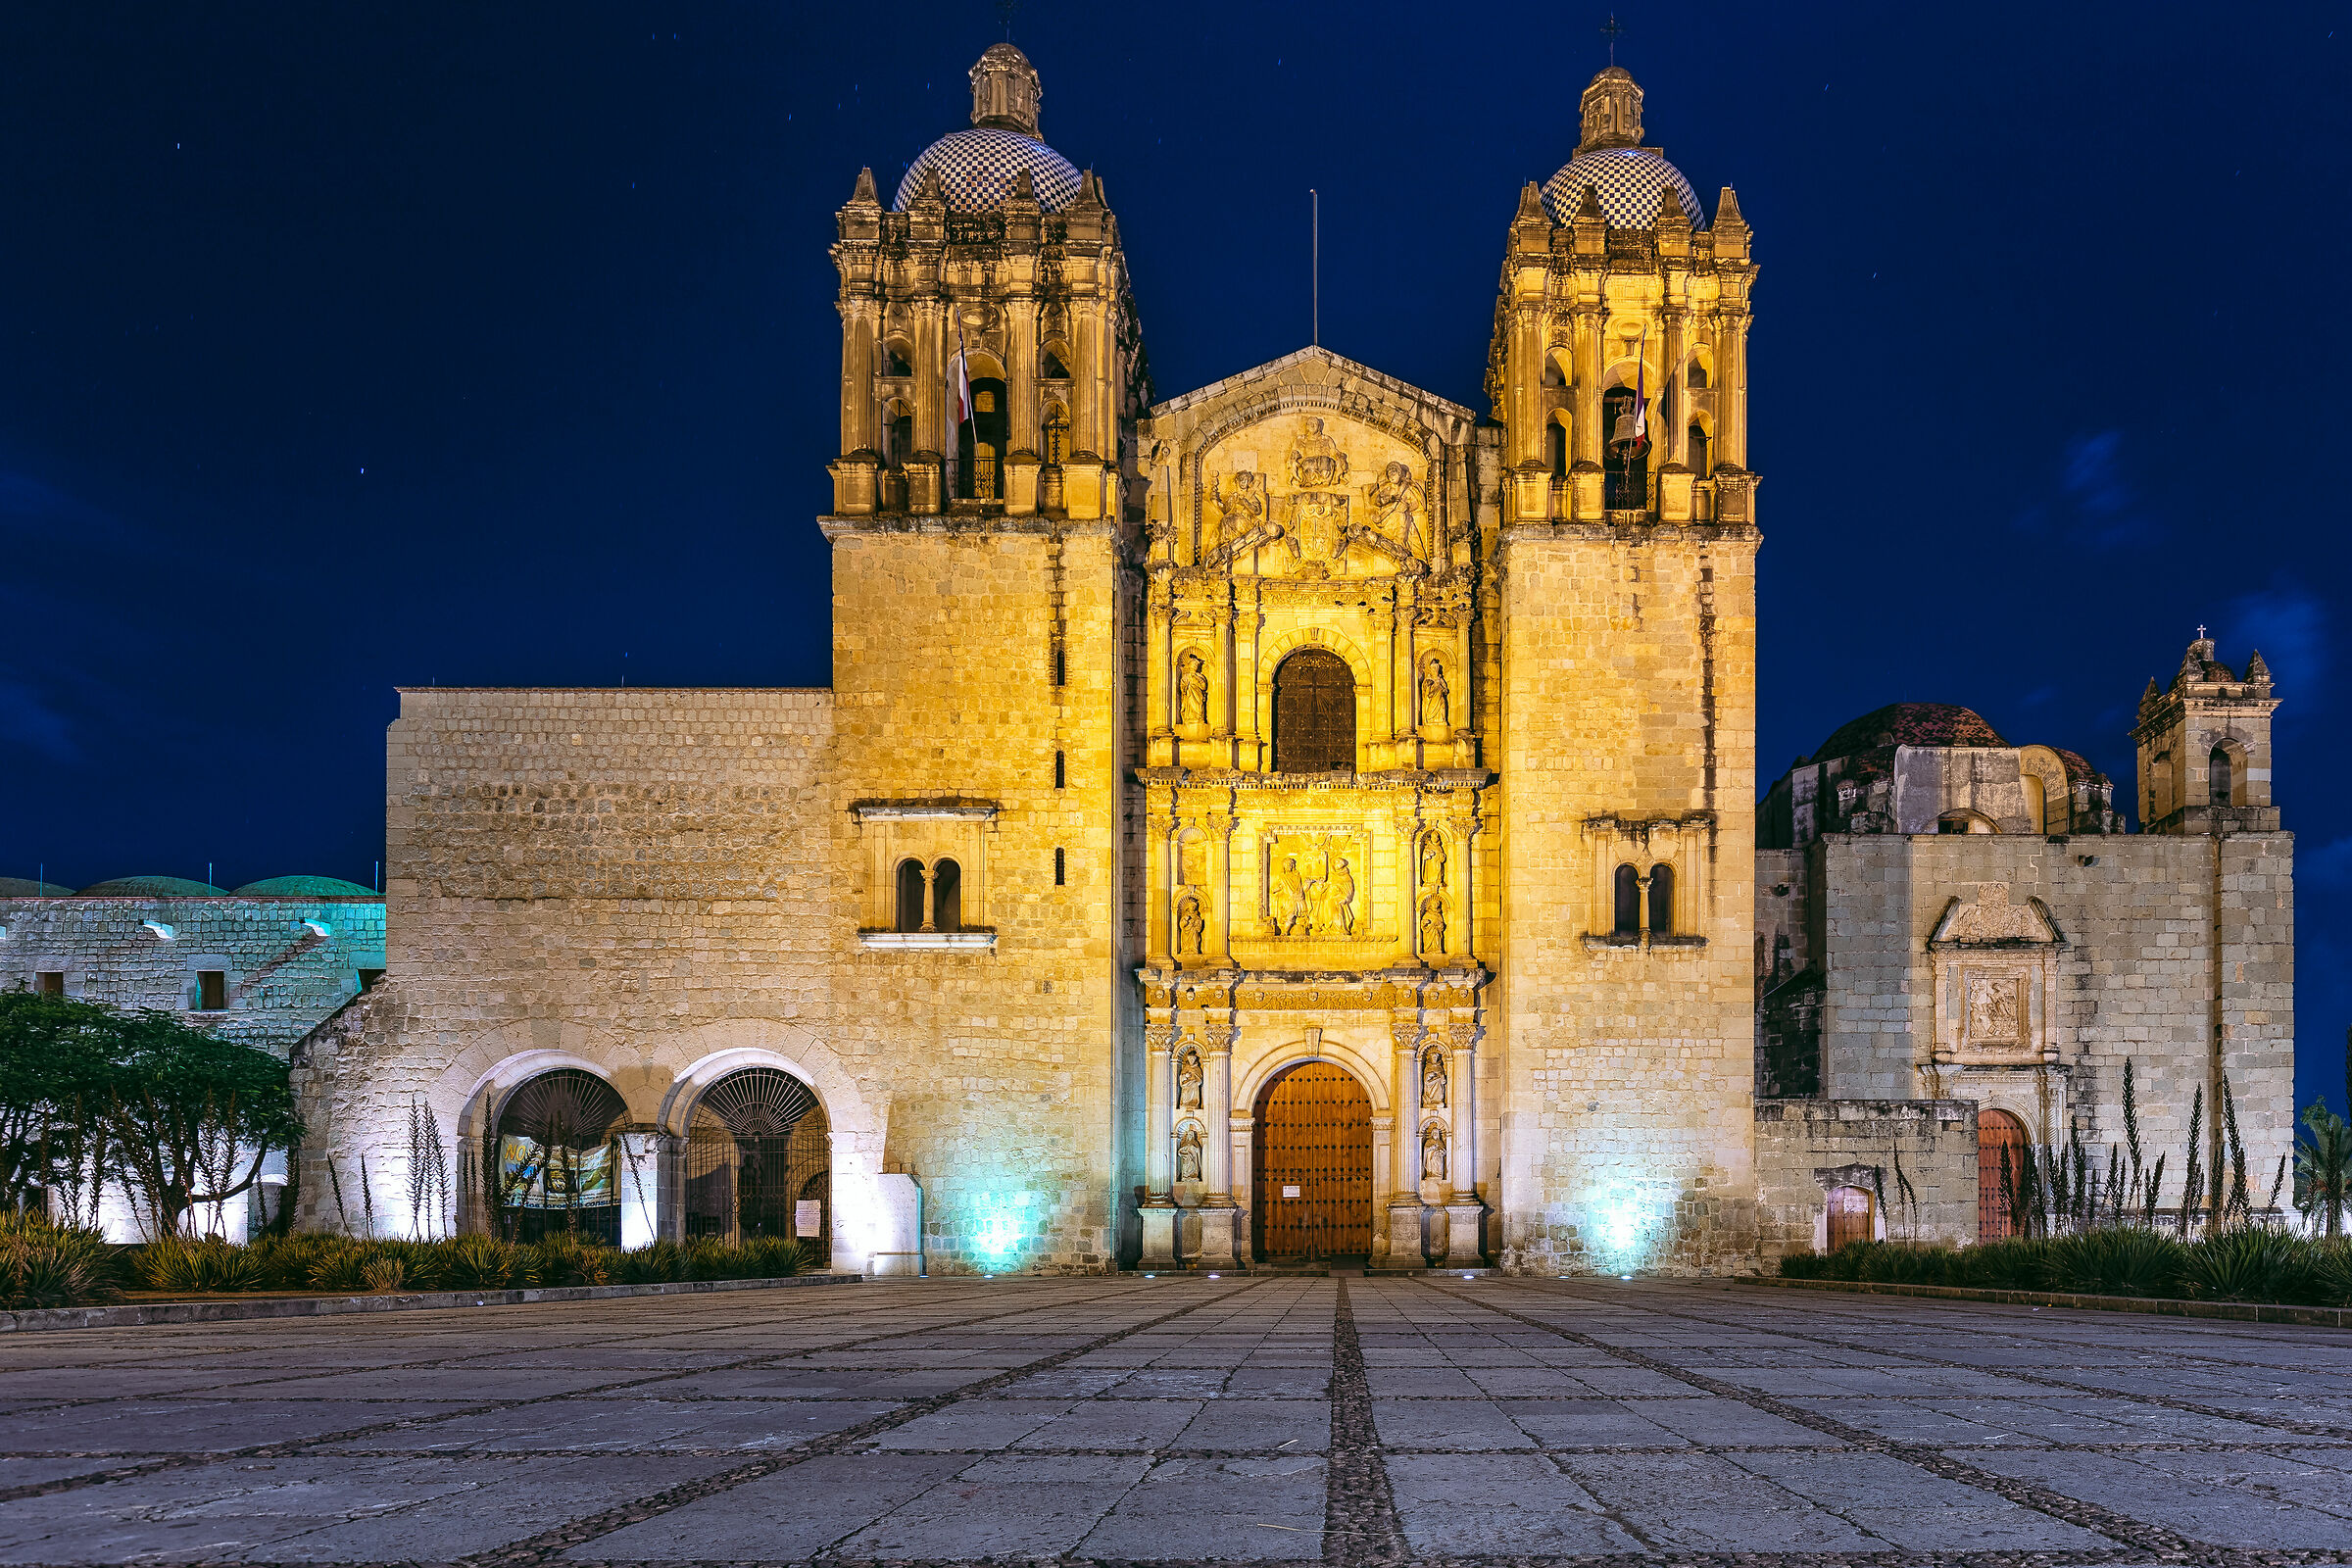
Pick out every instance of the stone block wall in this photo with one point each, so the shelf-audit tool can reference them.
(1805, 1148)
(287, 962)
(1628, 693)
(2170, 944)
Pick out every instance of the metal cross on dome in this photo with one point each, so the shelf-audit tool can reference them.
(1612, 32)
(1004, 11)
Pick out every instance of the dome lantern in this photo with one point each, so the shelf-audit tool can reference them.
(1612, 111)
(1006, 92)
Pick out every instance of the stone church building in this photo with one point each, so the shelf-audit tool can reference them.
(1303, 818)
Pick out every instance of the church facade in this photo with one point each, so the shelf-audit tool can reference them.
(1301, 819)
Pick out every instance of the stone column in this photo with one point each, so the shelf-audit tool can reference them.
(1405, 1168)
(1219, 913)
(1160, 1204)
(1407, 822)
(1673, 377)
(857, 411)
(1217, 1212)
(1731, 404)
(1589, 321)
(1159, 676)
(1020, 462)
(1461, 914)
(1462, 1207)
(1161, 850)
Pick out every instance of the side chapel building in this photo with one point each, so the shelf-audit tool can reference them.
(1301, 818)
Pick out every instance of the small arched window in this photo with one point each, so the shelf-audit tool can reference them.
(980, 442)
(1314, 713)
(1629, 901)
(894, 361)
(2223, 782)
(1552, 373)
(947, 895)
(1053, 369)
(1555, 440)
(1698, 448)
(899, 439)
(1662, 900)
(1698, 377)
(911, 896)
(1625, 467)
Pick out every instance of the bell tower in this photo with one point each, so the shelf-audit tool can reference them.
(996, 270)
(1626, 621)
(2205, 747)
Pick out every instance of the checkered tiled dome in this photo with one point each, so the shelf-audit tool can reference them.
(1628, 181)
(976, 168)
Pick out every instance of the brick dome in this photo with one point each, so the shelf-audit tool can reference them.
(1909, 724)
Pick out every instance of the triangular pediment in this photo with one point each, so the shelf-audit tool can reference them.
(1316, 362)
(1988, 919)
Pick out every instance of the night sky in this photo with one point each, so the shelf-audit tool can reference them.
(351, 347)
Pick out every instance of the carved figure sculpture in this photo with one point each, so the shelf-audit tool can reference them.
(1435, 698)
(1189, 921)
(1316, 461)
(1187, 1081)
(1433, 1078)
(1433, 1153)
(1243, 506)
(1432, 923)
(1290, 898)
(1432, 860)
(1335, 902)
(1191, 689)
(1401, 510)
(1188, 1153)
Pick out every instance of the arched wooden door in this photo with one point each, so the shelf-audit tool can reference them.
(1311, 1178)
(1998, 1132)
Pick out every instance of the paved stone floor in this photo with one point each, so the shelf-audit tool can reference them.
(1338, 1421)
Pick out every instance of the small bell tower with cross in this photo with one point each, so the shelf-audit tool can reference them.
(2205, 747)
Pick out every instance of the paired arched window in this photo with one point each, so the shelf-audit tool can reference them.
(894, 361)
(1698, 377)
(1052, 370)
(897, 438)
(1628, 898)
(1314, 713)
(2223, 779)
(1697, 435)
(945, 896)
(1555, 442)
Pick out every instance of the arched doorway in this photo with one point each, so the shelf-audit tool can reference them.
(1998, 1134)
(1311, 1178)
(1854, 1217)
(760, 1162)
(554, 1159)
(1314, 713)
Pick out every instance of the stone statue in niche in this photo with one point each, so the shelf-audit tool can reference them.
(1191, 689)
(1401, 512)
(1289, 895)
(1189, 921)
(1436, 706)
(1432, 923)
(1433, 1077)
(1188, 1153)
(1433, 1153)
(1187, 1080)
(1432, 859)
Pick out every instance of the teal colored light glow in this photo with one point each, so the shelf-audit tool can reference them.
(1004, 1223)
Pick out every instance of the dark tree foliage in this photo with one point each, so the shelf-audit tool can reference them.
(91, 1093)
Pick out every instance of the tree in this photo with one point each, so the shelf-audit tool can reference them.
(90, 1093)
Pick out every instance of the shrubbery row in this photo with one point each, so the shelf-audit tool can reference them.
(2244, 1264)
(48, 1265)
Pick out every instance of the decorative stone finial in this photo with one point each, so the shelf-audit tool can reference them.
(1005, 92)
(1612, 111)
(864, 194)
(2258, 673)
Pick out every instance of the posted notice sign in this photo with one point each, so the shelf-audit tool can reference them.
(1290, 1190)
(809, 1217)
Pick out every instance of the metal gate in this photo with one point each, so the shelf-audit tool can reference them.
(552, 1163)
(760, 1162)
(1310, 1179)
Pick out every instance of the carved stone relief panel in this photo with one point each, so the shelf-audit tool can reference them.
(1995, 968)
(1316, 496)
(1315, 885)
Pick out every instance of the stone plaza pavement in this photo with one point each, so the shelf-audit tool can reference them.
(1333, 1420)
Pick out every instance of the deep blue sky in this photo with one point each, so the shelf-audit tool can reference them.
(350, 347)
